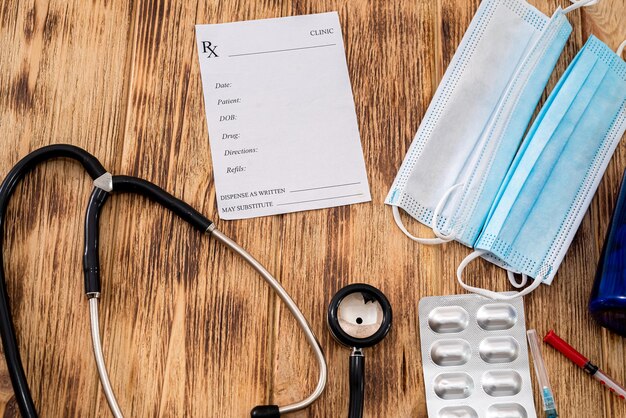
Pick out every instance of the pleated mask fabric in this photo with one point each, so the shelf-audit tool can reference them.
(550, 184)
(477, 119)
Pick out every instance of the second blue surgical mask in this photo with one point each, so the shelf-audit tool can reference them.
(556, 172)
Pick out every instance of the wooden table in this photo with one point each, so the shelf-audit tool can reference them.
(188, 329)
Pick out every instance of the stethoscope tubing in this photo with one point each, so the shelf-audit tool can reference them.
(97, 351)
(104, 185)
(196, 219)
(295, 311)
(357, 384)
(12, 356)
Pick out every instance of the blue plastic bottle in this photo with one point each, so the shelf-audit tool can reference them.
(608, 296)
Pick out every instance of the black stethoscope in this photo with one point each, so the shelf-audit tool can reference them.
(104, 185)
(359, 316)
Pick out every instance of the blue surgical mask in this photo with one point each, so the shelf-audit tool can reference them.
(477, 119)
(554, 175)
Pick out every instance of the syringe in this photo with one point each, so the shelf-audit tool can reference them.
(542, 375)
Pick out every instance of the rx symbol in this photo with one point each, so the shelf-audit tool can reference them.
(210, 49)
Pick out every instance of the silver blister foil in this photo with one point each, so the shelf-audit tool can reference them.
(475, 357)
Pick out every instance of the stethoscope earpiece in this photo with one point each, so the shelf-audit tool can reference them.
(265, 411)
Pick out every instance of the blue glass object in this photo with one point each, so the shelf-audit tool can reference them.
(608, 296)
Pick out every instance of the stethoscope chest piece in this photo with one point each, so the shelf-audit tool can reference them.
(359, 316)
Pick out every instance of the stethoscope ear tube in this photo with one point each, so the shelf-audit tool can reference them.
(134, 185)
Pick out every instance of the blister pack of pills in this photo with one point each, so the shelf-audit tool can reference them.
(475, 357)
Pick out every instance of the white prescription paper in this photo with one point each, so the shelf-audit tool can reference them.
(279, 107)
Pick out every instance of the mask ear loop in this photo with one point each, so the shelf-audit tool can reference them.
(577, 4)
(441, 237)
(437, 213)
(620, 49)
(518, 285)
(490, 293)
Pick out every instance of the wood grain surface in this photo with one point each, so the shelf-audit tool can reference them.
(188, 329)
